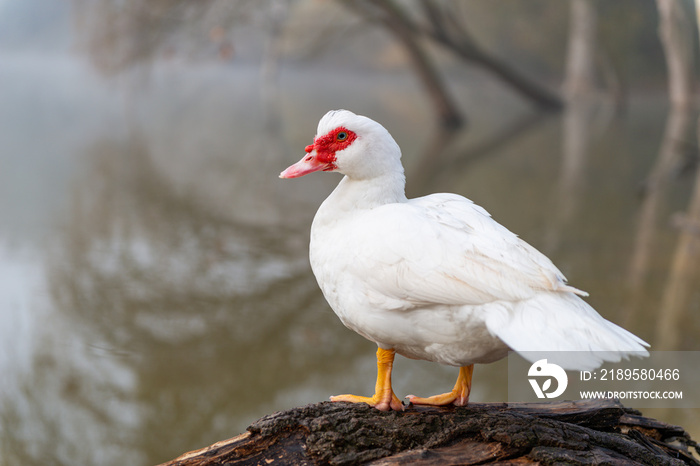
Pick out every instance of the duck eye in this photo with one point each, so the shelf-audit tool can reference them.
(342, 136)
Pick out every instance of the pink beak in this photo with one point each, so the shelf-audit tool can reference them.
(308, 164)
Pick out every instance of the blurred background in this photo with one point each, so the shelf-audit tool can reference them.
(155, 291)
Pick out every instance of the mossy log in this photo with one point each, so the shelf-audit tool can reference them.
(580, 432)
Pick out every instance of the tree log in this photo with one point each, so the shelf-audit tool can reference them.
(579, 432)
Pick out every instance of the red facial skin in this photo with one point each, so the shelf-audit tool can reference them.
(326, 147)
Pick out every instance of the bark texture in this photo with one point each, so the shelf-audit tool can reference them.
(591, 432)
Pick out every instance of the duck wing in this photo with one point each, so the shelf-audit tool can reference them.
(443, 249)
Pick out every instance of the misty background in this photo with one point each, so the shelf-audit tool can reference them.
(155, 292)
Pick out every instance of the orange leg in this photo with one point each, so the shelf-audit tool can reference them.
(459, 396)
(383, 398)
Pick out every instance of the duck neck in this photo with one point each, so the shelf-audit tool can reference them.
(359, 194)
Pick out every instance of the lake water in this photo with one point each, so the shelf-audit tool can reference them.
(156, 295)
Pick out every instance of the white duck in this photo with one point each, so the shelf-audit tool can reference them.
(435, 278)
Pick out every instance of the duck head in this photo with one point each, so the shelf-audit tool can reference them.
(351, 144)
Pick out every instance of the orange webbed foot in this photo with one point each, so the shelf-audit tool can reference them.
(384, 398)
(459, 396)
(379, 401)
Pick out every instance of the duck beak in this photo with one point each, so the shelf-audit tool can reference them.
(308, 164)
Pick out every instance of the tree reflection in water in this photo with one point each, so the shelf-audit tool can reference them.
(179, 304)
(170, 318)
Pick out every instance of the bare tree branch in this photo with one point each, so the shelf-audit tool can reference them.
(396, 21)
(580, 58)
(447, 32)
(674, 31)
